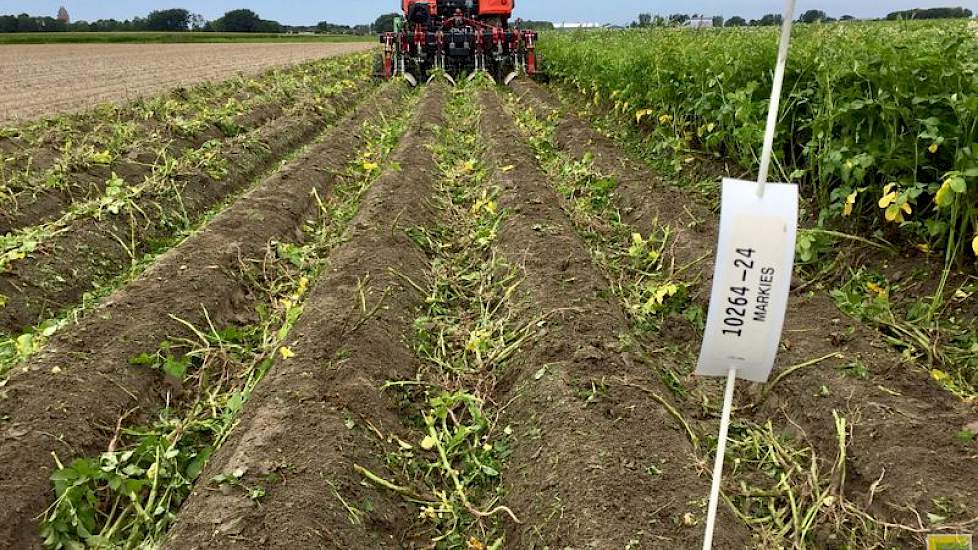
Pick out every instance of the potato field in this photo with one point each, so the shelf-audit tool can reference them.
(309, 308)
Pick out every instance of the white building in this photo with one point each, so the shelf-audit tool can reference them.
(573, 26)
(699, 23)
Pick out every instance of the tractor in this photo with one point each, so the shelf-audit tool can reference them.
(457, 37)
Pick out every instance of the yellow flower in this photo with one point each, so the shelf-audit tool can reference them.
(642, 113)
(370, 166)
(939, 375)
(974, 245)
(665, 119)
(932, 148)
(428, 443)
(286, 353)
(475, 544)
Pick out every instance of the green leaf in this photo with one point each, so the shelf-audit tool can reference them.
(197, 464)
(177, 368)
(958, 184)
(234, 403)
(143, 359)
(25, 345)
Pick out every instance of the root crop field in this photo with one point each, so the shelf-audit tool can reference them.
(43, 79)
(307, 309)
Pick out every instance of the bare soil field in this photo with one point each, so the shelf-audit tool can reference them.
(40, 80)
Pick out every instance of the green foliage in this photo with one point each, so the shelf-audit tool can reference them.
(129, 495)
(172, 20)
(931, 13)
(244, 20)
(385, 23)
(878, 122)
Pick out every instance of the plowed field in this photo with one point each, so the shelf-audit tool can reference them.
(438, 318)
(40, 80)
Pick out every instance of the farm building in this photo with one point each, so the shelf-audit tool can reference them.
(577, 26)
(699, 23)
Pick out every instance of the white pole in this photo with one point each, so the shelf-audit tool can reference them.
(766, 153)
(711, 514)
(772, 113)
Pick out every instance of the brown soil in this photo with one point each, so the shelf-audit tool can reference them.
(295, 424)
(46, 79)
(907, 432)
(90, 251)
(579, 475)
(30, 207)
(67, 399)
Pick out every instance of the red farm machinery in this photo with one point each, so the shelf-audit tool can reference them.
(457, 37)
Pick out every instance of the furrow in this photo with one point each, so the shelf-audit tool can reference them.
(318, 412)
(91, 250)
(596, 462)
(66, 399)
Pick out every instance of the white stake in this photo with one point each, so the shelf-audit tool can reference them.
(711, 515)
(772, 112)
(766, 153)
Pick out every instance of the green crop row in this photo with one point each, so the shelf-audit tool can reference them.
(878, 121)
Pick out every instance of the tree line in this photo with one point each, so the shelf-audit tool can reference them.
(810, 16)
(171, 20)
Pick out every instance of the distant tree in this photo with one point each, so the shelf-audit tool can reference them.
(197, 22)
(385, 23)
(237, 21)
(333, 28)
(847, 18)
(736, 21)
(931, 13)
(813, 16)
(8, 23)
(173, 20)
(244, 21)
(269, 26)
(769, 20)
(537, 25)
(678, 19)
(645, 20)
(718, 21)
(26, 23)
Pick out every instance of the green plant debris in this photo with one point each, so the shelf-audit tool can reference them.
(465, 335)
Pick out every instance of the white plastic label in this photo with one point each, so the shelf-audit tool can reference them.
(751, 280)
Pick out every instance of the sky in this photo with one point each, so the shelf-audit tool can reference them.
(308, 12)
